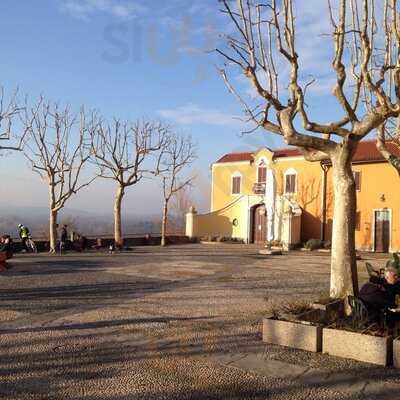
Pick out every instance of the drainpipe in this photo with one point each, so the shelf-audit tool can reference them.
(325, 168)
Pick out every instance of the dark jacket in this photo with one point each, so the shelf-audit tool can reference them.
(378, 294)
(64, 234)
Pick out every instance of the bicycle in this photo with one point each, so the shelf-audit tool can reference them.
(30, 244)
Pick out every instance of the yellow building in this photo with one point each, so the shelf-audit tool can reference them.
(276, 195)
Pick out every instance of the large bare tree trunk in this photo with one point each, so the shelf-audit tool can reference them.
(117, 217)
(53, 231)
(344, 280)
(164, 224)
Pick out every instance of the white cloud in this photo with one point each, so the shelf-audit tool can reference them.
(190, 114)
(84, 9)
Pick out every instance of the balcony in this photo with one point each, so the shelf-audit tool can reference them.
(259, 188)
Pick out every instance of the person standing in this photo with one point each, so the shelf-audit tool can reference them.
(63, 238)
(23, 232)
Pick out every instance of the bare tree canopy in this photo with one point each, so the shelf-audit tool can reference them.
(57, 146)
(181, 201)
(364, 62)
(126, 153)
(365, 67)
(178, 154)
(9, 110)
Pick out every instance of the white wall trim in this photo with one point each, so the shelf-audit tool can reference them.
(224, 164)
(212, 190)
(294, 158)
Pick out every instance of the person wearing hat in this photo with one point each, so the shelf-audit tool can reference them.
(379, 295)
(23, 232)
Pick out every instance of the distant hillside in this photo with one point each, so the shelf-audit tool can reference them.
(86, 223)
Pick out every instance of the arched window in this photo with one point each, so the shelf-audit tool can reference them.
(236, 183)
(290, 181)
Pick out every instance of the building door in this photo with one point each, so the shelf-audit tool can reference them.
(382, 231)
(259, 224)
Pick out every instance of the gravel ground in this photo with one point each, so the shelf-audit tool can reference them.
(151, 323)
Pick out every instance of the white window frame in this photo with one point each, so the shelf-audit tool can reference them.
(236, 174)
(290, 171)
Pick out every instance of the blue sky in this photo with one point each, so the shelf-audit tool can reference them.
(129, 59)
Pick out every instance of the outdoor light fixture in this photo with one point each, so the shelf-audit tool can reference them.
(235, 222)
(382, 197)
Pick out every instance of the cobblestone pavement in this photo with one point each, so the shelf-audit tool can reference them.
(177, 323)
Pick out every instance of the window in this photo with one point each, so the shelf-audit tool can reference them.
(358, 219)
(290, 183)
(357, 179)
(236, 182)
(262, 173)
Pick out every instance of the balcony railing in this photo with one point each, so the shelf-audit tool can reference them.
(259, 188)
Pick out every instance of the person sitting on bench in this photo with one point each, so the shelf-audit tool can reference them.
(379, 295)
(6, 245)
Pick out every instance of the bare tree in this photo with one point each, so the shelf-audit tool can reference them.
(57, 147)
(388, 143)
(181, 201)
(264, 41)
(127, 153)
(179, 153)
(8, 112)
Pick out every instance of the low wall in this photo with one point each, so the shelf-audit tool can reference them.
(231, 221)
(106, 241)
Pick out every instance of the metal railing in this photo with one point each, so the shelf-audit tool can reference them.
(259, 188)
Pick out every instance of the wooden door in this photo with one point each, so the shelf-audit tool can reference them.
(260, 224)
(382, 231)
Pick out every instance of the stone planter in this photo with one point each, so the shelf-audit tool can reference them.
(293, 334)
(357, 346)
(396, 352)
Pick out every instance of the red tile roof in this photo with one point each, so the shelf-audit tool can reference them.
(366, 152)
(235, 157)
(287, 152)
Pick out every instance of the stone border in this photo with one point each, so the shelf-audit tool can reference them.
(396, 352)
(357, 346)
(297, 335)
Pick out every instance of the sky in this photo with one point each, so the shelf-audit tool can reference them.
(136, 59)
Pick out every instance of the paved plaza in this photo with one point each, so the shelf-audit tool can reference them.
(177, 323)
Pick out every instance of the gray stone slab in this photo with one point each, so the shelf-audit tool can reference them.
(396, 353)
(292, 334)
(273, 368)
(303, 375)
(340, 382)
(357, 346)
(381, 391)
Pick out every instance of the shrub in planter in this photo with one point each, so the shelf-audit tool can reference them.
(209, 238)
(327, 244)
(313, 244)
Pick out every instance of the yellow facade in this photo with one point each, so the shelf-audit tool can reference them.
(231, 214)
